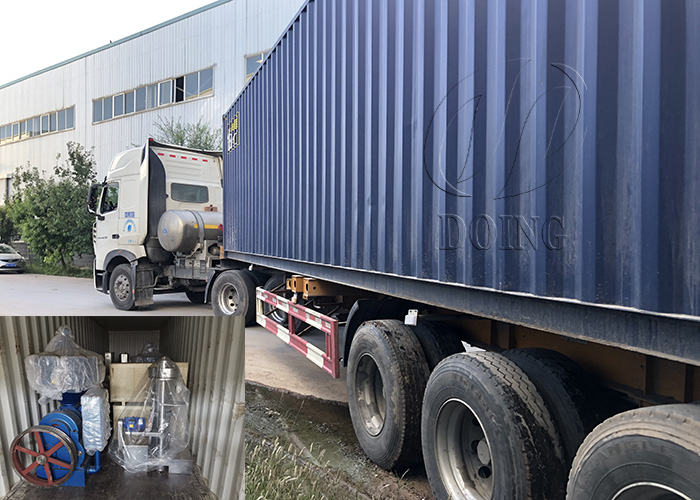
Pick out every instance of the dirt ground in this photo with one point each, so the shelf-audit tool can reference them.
(318, 436)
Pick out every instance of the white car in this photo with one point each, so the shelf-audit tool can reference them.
(10, 260)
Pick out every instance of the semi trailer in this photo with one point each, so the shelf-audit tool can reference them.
(517, 176)
(486, 212)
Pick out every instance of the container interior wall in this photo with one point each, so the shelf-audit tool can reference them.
(132, 342)
(214, 348)
(548, 148)
(19, 408)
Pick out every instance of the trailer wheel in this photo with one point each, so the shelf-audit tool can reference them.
(121, 288)
(279, 317)
(574, 401)
(233, 294)
(437, 341)
(487, 434)
(648, 453)
(195, 297)
(387, 373)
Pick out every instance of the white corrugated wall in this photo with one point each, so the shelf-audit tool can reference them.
(220, 37)
(214, 347)
(19, 409)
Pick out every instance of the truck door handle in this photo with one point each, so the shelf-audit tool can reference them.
(115, 236)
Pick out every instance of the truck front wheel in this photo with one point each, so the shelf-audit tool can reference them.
(121, 288)
(233, 294)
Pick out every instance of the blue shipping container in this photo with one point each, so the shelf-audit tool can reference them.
(544, 148)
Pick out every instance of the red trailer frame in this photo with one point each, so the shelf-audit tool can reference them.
(329, 360)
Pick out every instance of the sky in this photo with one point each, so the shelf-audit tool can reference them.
(36, 34)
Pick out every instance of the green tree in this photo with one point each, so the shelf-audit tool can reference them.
(49, 212)
(7, 228)
(190, 135)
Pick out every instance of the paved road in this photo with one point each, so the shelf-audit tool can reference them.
(271, 362)
(40, 295)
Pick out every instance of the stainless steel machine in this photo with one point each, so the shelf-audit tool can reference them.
(156, 436)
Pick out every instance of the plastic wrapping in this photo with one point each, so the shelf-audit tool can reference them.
(149, 354)
(150, 434)
(94, 406)
(63, 366)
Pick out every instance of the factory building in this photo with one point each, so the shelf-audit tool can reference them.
(188, 69)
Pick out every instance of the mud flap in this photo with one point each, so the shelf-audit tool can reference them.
(143, 292)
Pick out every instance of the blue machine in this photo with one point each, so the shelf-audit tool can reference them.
(52, 453)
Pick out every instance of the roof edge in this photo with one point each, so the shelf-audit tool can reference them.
(118, 42)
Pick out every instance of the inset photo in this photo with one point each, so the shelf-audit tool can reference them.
(104, 407)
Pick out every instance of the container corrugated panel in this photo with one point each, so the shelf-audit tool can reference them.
(19, 408)
(214, 348)
(543, 147)
(132, 342)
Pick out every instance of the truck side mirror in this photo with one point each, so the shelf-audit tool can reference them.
(93, 197)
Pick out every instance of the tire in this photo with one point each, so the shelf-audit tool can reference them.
(233, 294)
(259, 277)
(487, 433)
(650, 453)
(121, 288)
(277, 316)
(574, 401)
(195, 297)
(387, 373)
(437, 341)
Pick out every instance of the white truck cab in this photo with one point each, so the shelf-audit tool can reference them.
(158, 223)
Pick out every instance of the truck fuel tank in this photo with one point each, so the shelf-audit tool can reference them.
(181, 230)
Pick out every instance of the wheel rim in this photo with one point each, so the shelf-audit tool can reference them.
(122, 288)
(463, 452)
(649, 491)
(228, 299)
(41, 458)
(371, 401)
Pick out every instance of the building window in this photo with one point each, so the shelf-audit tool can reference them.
(206, 82)
(128, 102)
(141, 99)
(62, 119)
(56, 121)
(252, 63)
(118, 105)
(106, 108)
(164, 93)
(191, 85)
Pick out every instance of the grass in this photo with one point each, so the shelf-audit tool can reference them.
(58, 270)
(274, 472)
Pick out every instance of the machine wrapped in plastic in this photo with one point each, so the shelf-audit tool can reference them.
(94, 405)
(157, 435)
(63, 367)
(65, 447)
(149, 354)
